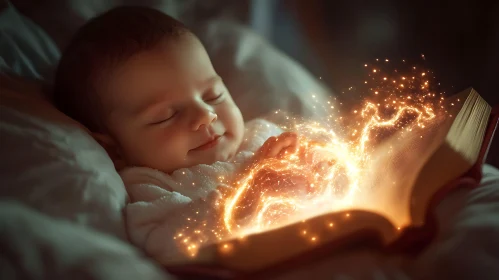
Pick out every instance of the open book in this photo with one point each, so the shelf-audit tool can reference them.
(451, 155)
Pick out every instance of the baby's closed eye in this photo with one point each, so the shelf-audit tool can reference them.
(164, 116)
(214, 97)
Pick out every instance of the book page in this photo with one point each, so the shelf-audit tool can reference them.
(457, 154)
(399, 161)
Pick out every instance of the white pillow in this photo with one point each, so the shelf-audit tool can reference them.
(261, 78)
(51, 163)
(37, 247)
(25, 49)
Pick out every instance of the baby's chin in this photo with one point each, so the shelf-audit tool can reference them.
(211, 157)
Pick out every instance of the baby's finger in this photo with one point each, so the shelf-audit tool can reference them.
(292, 139)
(265, 148)
(288, 150)
(285, 140)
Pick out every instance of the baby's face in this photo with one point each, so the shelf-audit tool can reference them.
(167, 108)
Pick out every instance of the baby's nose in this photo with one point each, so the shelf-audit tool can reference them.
(205, 118)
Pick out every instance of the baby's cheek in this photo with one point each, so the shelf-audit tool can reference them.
(236, 124)
(174, 144)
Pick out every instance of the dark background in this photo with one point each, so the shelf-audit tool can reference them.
(460, 39)
(334, 39)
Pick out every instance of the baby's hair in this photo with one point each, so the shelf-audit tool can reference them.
(98, 47)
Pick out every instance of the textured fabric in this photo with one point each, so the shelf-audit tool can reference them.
(38, 247)
(52, 164)
(160, 202)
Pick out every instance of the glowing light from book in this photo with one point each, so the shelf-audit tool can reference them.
(332, 157)
(332, 166)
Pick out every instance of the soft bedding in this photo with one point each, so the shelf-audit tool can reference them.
(61, 200)
(36, 246)
(52, 164)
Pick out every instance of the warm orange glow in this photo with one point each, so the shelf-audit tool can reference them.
(328, 171)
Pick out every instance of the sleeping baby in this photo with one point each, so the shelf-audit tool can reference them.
(146, 88)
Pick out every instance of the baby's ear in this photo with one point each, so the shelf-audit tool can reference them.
(112, 149)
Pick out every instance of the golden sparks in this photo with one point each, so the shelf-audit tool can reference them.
(324, 172)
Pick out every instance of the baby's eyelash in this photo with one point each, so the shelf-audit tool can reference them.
(165, 120)
(215, 98)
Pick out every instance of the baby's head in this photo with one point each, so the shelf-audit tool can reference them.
(145, 86)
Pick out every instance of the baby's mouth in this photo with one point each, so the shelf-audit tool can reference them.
(209, 144)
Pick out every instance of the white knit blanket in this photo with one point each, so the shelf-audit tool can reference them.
(160, 203)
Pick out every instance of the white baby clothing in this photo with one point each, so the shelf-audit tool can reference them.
(159, 202)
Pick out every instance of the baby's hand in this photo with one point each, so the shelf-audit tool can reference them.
(278, 146)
